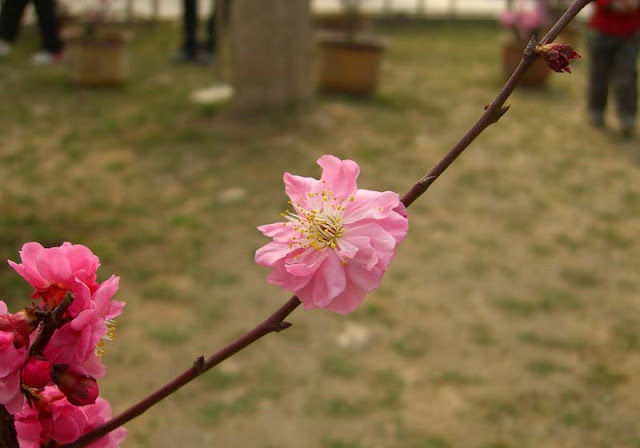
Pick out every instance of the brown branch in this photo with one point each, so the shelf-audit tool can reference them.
(275, 322)
(8, 437)
(51, 321)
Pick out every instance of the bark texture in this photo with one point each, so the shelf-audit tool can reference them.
(8, 437)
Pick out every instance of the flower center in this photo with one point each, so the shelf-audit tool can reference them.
(321, 225)
(110, 336)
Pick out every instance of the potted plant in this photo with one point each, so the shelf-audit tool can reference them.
(97, 52)
(349, 60)
(526, 19)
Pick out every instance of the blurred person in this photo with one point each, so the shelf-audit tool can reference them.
(11, 14)
(191, 51)
(613, 51)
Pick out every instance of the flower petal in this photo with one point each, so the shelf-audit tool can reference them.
(279, 276)
(279, 231)
(329, 281)
(54, 266)
(339, 176)
(271, 253)
(298, 187)
(348, 300)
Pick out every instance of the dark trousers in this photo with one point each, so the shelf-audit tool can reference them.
(11, 20)
(190, 23)
(613, 60)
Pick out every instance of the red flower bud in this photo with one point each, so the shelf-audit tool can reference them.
(558, 56)
(36, 372)
(79, 389)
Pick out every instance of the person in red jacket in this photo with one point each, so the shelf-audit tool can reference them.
(613, 48)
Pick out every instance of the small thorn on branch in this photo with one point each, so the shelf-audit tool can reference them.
(426, 180)
(279, 326)
(198, 364)
(503, 110)
(531, 47)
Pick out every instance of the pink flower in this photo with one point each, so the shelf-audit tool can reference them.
(558, 56)
(28, 427)
(98, 414)
(51, 418)
(57, 270)
(338, 241)
(77, 342)
(525, 19)
(13, 354)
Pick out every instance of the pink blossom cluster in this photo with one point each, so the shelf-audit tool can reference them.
(52, 390)
(53, 417)
(525, 18)
(337, 242)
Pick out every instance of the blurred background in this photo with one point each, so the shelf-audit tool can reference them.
(510, 315)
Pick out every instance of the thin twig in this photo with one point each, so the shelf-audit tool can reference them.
(275, 322)
(496, 109)
(51, 321)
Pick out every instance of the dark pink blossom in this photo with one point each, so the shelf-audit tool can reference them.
(558, 56)
(55, 271)
(77, 343)
(13, 354)
(98, 414)
(53, 418)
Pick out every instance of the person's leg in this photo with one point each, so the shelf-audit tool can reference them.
(211, 44)
(10, 19)
(625, 77)
(600, 61)
(190, 28)
(49, 27)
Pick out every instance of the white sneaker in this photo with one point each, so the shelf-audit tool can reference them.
(45, 58)
(5, 48)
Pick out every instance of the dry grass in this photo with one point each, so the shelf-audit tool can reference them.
(509, 319)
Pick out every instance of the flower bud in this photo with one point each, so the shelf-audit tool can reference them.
(25, 322)
(36, 372)
(22, 324)
(558, 56)
(79, 389)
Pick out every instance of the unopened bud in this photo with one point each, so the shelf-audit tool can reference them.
(79, 389)
(558, 56)
(36, 372)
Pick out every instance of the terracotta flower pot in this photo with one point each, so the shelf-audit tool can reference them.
(512, 49)
(98, 59)
(349, 65)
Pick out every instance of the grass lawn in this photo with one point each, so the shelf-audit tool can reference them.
(510, 318)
